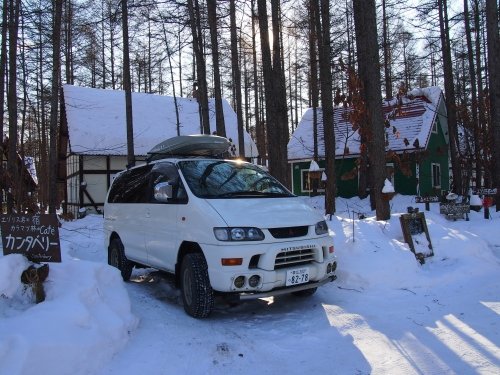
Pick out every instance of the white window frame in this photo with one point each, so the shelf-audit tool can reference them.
(433, 175)
(302, 181)
(391, 179)
(435, 127)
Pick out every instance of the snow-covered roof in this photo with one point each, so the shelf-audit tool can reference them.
(29, 162)
(409, 122)
(97, 125)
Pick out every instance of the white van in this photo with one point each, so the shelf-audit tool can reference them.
(221, 226)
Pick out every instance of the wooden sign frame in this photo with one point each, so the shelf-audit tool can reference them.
(413, 224)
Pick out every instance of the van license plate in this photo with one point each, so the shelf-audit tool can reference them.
(297, 276)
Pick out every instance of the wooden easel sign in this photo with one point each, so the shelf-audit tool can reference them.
(416, 234)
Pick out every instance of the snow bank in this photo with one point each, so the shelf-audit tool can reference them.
(85, 319)
(11, 268)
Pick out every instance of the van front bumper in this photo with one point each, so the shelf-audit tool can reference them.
(286, 290)
(264, 262)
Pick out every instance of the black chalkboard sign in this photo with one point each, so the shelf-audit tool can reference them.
(35, 236)
(415, 226)
(416, 234)
(454, 210)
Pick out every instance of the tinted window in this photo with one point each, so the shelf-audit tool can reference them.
(131, 186)
(167, 172)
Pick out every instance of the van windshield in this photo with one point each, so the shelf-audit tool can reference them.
(230, 179)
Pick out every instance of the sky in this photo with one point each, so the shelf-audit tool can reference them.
(385, 314)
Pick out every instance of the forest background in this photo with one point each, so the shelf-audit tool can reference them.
(270, 59)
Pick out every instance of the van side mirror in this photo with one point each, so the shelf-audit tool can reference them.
(163, 191)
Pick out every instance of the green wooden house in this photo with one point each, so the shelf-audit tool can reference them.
(416, 133)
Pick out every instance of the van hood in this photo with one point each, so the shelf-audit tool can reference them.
(265, 212)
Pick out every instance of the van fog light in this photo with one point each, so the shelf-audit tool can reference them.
(334, 266)
(239, 282)
(254, 280)
(329, 268)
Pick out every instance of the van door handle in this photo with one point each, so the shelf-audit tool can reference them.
(148, 214)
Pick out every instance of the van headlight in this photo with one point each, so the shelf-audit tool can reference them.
(238, 234)
(321, 227)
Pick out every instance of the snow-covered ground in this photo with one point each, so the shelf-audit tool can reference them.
(386, 313)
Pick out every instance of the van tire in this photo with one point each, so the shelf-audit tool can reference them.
(197, 293)
(305, 292)
(117, 259)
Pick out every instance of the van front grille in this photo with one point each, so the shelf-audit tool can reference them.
(289, 232)
(292, 258)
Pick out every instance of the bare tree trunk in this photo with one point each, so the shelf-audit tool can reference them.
(69, 42)
(194, 15)
(327, 104)
(112, 45)
(3, 63)
(321, 19)
(56, 74)
(273, 125)
(473, 89)
(481, 101)
(181, 89)
(178, 123)
(236, 78)
(14, 6)
(350, 41)
(246, 87)
(219, 112)
(150, 65)
(387, 53)
(313, 62)
(259, 126)
(290, 88)
(127, 87)
(103, 48)
(268, 80)
(281, 170)
(494, 88)
(21, 188)
(45, 181)
(296, 87)
(449, 88)
(368, 62)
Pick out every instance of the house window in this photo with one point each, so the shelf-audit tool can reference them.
(436, 175)
(435, 127)
(309, 180)
(389, 167)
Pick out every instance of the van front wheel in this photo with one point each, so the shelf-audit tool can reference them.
(117, 259)
(197, 294)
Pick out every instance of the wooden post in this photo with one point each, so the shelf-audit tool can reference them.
(487, 200)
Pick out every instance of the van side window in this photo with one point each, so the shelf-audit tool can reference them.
(131, 186)
(167, 172)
